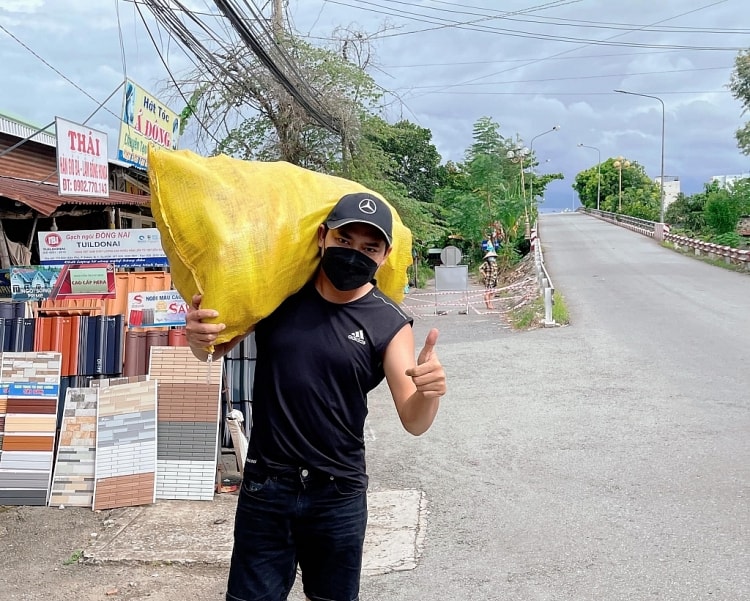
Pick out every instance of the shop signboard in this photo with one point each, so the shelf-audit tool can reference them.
(145, 120)
(123, 248)
(82, 160)
(149, 309)
(90, 280)
(36, 390)
(31, 283)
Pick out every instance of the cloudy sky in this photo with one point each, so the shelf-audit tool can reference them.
(529, 65)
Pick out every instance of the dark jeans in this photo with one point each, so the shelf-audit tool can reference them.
(304, 518)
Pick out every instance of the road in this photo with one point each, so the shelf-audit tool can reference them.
(607, 460)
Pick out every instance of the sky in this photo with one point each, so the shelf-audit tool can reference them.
(528, 65)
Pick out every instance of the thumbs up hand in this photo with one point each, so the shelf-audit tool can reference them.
(428, 375)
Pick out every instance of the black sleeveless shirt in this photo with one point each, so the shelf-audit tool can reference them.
(316, 362)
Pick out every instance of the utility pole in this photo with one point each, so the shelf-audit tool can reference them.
(277, 19)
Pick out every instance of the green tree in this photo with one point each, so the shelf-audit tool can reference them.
(686, 213)
(740, 191)
(721, 212)
(586, 185)
(372, 166)
(481, 193)
(415, 162)
(487, 139)
(640, 194)
(739, 84)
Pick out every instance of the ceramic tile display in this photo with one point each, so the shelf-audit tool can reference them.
(73, 477)
(29, 389)
(189, 393)
(125, 446)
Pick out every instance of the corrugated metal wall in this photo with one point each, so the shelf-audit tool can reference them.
(28, 161)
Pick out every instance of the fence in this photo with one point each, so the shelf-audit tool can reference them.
(660, 232)
(546, 287)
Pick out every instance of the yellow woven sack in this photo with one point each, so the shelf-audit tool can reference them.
(244, 233)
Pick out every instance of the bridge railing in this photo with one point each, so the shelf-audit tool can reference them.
(642, 226)
(660, 232)
(546, 287)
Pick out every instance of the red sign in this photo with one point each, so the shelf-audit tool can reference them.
(90, 280)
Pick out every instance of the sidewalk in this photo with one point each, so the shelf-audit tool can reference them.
(200, 532)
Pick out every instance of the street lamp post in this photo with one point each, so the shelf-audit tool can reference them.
(661, 178)
(621, 164)
(517, 156)
(598, 173)
(531, 154)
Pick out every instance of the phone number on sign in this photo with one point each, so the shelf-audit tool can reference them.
(83, 186)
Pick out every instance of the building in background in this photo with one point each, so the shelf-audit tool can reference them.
(726, 181)
(671, 188)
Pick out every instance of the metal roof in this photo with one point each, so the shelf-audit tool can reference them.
(44, 199)
(14, 127)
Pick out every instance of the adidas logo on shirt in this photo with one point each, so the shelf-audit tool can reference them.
(358, 336)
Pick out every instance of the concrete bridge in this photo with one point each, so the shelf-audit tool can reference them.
(608, 460)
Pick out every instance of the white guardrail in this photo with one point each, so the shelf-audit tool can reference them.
(660, 232)
(546, 288)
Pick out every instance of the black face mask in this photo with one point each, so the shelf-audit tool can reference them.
(348, 269)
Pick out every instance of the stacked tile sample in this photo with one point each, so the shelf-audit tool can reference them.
(126, 446)
(73, 479)
(29, 389)
(189, 413)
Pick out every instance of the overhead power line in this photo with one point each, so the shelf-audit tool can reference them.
(530, 15)
(474, 25)
(246, 20)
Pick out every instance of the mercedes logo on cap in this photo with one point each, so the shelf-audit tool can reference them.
(368, 206)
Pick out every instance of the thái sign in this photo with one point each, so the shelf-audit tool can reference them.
(82, 162)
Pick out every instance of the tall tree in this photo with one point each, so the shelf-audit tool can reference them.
(487, 139)
(480, 194)
(739, 84)
(374, 167)
(415, 159)
(639, 193)
(251, 116)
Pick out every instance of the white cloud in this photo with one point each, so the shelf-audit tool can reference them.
(22, 6)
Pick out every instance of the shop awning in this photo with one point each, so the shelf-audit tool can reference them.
(44, 199)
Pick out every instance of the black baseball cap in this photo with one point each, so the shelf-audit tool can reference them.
(362, 207)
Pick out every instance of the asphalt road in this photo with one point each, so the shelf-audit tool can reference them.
(607, 460)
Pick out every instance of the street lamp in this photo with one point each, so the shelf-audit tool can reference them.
(661, 178)
(621, 164)
(517, 156)
(598, 173)
(531, 153)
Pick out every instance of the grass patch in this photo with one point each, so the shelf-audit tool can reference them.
(74, 558)
(424, 274)
(560, 310)
(531, 316)
(527, 317)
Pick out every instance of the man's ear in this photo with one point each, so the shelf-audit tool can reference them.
(322, 231)
(387, 252)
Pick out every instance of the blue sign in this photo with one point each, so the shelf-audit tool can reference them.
(33, 390)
